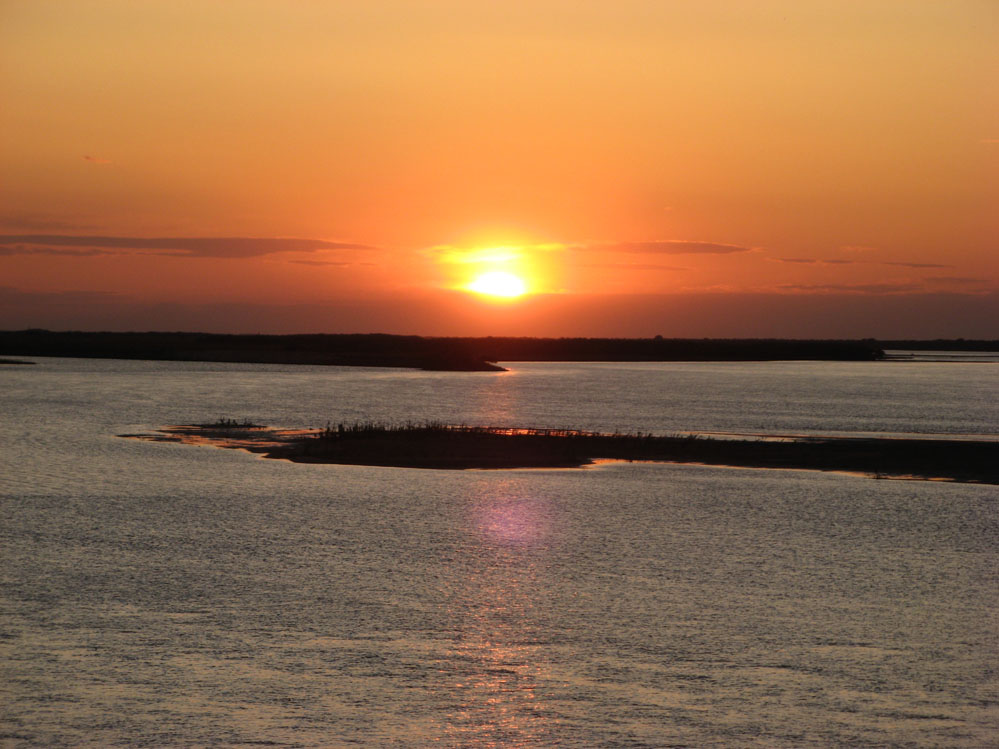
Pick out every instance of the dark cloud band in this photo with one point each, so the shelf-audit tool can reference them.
(219, 247)
(668, 247)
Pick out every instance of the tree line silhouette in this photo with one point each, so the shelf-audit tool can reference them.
(454, 354)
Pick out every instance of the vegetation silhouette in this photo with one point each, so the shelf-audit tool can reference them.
(449, 446)
(447, 354)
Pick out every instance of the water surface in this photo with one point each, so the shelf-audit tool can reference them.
(173, 596)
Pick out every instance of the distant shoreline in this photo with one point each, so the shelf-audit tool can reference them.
(429, 353)
(439, 446)
(449, 354)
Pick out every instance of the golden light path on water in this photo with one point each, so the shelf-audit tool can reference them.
(497, 656)
(498, 648)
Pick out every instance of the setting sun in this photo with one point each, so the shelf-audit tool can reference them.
(498, 283)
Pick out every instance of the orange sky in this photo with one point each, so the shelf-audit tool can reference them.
(645, 165)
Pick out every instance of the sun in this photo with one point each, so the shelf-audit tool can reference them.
(498, 283)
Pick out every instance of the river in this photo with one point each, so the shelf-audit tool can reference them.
(169, 595)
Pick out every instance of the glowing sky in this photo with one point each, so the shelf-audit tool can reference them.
(755, 167)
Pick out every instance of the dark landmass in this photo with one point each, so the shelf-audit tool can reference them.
(373, 350)
(446, 354)
(461, 447)
(15, 362)
(941, 344)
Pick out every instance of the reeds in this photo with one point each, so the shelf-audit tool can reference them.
(436, 444)
(226, 423)
(411, 428)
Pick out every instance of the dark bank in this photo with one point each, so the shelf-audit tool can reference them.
(442, 354)
(444, 446)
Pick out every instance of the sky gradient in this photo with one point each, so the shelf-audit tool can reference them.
(761, 168)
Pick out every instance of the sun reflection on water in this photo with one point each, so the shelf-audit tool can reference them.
(513, 522)
(493, 677)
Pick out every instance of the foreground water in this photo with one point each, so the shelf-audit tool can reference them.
(169, 595)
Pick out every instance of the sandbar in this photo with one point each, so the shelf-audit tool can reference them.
(441, 446)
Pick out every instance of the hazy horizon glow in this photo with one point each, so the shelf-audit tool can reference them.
(355, 154)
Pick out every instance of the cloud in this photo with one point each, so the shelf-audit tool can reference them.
(18, 249)
(668, 247)
(990, 141)
(323, 262)
(957, 279)
(503, 253)
(97, 160)
(918, 265)
(218, 247)
(812, 261)
(633, 266)
(839, 261)
(860, 288)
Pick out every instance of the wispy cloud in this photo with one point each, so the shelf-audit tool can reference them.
(216, 247)
(957, 279)
(634, 266)
(667, 247)
(860, 288)
(17, 249)
(813, 261)
(328, 263)
(97, 160)
(450, 254)
(918, 265)
(842, 261)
